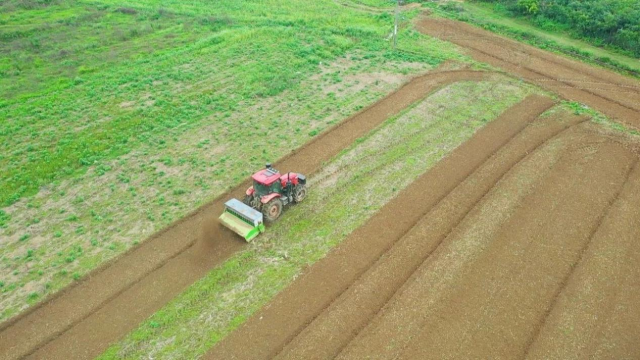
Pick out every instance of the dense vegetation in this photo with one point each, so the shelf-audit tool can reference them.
(612, 23)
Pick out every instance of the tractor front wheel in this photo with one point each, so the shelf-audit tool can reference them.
(272, 210)
(252, 201)
(299, 193)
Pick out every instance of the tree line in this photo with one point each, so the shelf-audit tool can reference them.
(603, 22)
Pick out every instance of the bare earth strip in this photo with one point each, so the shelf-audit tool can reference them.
(297, 306)
(597, 314)
(333, 329)
(493, 308)
(606, 91)
(83, 320)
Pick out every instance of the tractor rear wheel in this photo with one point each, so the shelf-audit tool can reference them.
(272, 210)
(299, 193)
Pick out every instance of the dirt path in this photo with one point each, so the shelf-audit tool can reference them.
(271, 329)
(613, 94)
(83, 320)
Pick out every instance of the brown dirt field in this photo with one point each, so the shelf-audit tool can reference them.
(272, 328)
(613, 94)
(83, 320)
(596, 316)
(493, 299)
(533, 254)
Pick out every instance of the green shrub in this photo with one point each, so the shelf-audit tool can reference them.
(614, 23)
(4, 219)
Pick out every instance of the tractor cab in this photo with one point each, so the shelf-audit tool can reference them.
(266, 182)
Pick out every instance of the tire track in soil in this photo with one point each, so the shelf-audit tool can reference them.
(564, 76)
(619, 334)
(491, 309)
(586, 320)
(82, 320)
(332, 330)
(271, 328)
(567, 277)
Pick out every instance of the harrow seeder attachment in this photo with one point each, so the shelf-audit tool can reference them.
(242, 219)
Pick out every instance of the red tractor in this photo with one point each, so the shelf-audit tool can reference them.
(265, 199)
(271, 191)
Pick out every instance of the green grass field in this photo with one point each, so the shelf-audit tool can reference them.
(117, 118)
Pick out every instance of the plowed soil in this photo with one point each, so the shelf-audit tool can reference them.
(82, 321)
(608, 92)
(531, 253)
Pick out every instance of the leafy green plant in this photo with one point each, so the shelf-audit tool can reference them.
(529, 6)
(4, 218)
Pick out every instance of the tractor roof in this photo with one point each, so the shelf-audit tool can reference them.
(266, 176)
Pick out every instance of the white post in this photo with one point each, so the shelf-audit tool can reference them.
(395, 26)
